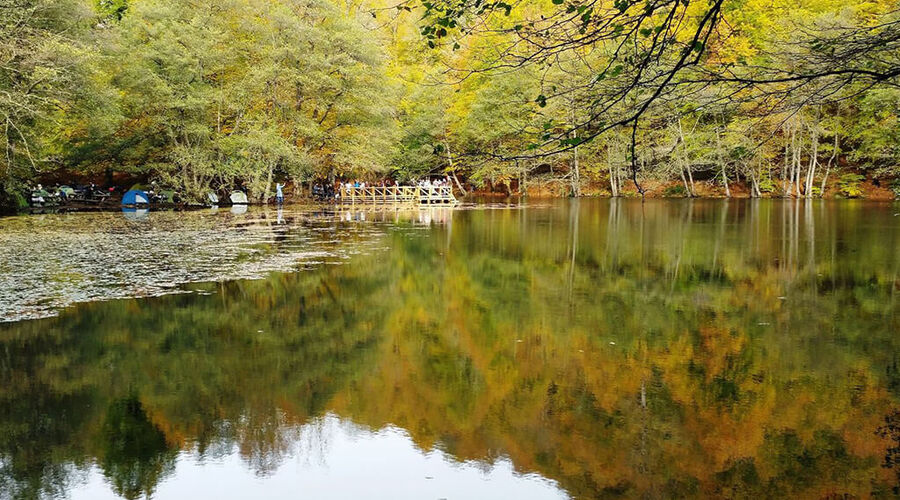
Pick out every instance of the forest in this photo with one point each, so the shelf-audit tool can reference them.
(562, 97)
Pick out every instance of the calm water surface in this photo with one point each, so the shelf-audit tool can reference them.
(583, 349)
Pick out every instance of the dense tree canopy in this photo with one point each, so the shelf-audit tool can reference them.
(579, 97)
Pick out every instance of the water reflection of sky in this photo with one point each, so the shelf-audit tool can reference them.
(333, 458)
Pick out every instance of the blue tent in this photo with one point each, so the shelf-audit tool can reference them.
(135, 197)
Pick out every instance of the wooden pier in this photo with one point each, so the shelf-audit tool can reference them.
(398, 195)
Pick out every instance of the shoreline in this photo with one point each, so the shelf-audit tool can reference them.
(656, 189)
(476, 198)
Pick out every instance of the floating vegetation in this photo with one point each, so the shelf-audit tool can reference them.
(48, 262)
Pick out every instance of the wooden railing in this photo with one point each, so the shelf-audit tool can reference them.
(388, 195)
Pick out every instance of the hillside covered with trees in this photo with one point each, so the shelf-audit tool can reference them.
(567, 97)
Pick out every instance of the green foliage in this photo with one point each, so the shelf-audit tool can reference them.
(198, 95)
(676, 190)
(111, 9)
(11, 197)
(767, 184)
(217, 95)
(875, 130)
(47, 83)
(225, 104)
(895, 187)
(849, 185)
(422, 135)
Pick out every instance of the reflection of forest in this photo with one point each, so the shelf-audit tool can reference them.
(696, 348)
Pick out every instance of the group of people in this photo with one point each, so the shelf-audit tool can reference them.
(426, 182)
(41, 196)
(94, 194)
(323, 192)
(441, 182)
(362, 184)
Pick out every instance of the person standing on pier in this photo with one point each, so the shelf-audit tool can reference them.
(279, 194)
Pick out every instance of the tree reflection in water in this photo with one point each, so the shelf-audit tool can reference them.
(135, 453)
(663, 349)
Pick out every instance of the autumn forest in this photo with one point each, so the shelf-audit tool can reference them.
(716, 98)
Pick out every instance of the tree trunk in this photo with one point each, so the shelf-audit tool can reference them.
(524, 186)
(684, 180)
(725, 180)
(754, 184)
(613, 184)
(576, 179)
(813, 160)
(793, 163)
(268, 183)
(576, 174)
(692, 191)
(722, 162)
(462, 191)
(685, 164)
(784, 167)
(795, 167)
(830, 160)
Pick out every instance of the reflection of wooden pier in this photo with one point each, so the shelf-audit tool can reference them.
(398, 195)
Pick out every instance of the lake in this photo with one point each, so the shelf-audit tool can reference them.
(555, 349)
